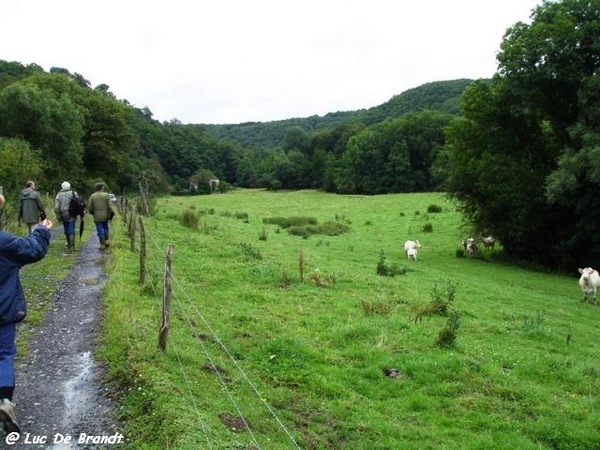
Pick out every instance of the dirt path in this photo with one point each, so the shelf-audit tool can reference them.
(60, 400)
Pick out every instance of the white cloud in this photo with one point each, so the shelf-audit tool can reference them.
(234, 61)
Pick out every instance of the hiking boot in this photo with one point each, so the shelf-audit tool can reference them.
(7, 415)
(102, 244)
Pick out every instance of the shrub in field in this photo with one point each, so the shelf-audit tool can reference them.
(447, 335)
(440, 303)
(262, 236)
(322, 281)
(287, 222)
(376, 308)
(386, 270)
(434, 209)
(427, 228)
(242, 216)
(250, 253)
(190, 219)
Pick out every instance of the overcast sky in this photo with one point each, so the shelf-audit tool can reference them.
(233, 61)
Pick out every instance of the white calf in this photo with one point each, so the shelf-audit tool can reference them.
(411, 253)
(589, 282)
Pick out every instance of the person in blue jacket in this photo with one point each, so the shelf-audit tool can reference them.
(15, 252)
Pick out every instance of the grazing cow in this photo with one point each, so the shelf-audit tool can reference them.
(411, 253)
(470, 247)
(488, 242)
(411, 245)
(589, 282)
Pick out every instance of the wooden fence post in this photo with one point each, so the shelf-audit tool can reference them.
(164, 326)
(142, 253)
(132, 225)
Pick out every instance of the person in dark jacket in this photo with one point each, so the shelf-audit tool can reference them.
(100, 206)
(31, 208)
(15, 252)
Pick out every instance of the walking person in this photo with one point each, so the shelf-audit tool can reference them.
(100, 206)
(15, 252)
(31, 208)
(63, 212)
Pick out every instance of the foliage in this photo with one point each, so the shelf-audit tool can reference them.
(387, 270)
(447, 335)
(527, 140)
(190, 219)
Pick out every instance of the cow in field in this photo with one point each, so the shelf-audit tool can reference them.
(411, 253)
(408, 245)
(470, 247)
(488, 242)
(589, 282)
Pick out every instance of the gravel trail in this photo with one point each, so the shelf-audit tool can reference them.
(61, 401)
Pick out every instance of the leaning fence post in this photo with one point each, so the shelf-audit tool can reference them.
(142, 253)
(164, 326)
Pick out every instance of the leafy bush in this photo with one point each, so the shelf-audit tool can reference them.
(386, 270)
(434, 209)
(190, 219)
(427, 228)
(447, 335)
(441, 300)
(287, 222)
(250, 253)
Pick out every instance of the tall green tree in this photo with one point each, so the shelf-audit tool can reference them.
(50, 123)
(522, 158)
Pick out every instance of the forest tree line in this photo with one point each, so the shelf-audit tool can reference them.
(517, 151)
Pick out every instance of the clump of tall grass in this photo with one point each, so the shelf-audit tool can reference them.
(263, 234)
(322, 281)
(428, 228)
(190, 219)
(250, 253)
(434, 209)
(376, 308)
(327, 229)
(447, 335)
(440, 303)
(387, 270)
(287, 222)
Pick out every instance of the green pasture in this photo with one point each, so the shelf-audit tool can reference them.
(301, 338)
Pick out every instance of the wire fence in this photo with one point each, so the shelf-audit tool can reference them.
(156, 262)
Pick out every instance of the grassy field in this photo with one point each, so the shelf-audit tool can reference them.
(281, 341)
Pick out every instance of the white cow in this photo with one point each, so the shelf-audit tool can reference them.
(589, 282)
(470, 247)
(408, 245)
(488, 242)
(411, 253)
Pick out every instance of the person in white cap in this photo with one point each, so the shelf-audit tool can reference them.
(61, 209)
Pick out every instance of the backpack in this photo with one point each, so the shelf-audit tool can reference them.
(76, 206)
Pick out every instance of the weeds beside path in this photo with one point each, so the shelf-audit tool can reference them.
(60, 399)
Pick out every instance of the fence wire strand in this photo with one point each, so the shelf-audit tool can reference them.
(187, 300)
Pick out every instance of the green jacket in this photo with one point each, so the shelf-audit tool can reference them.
(100, 206)
(30, 206)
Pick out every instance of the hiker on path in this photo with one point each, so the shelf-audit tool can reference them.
(62, 210)
(15, 252)
(100, 206)
(31, 208)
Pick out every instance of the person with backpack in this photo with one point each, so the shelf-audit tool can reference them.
(67, 206)
(100, 206)
(31, 208)
(15, 252)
